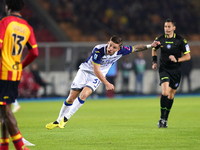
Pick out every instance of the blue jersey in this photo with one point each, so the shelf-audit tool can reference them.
(100, 56)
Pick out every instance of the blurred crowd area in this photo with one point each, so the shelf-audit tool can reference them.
(131, 19)
(41, 32)
(97, 20)
(94, 20)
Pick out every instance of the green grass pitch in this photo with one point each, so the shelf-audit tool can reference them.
(113, 124)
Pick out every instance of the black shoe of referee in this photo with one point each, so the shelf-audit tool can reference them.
(161, 123)
(165, 124)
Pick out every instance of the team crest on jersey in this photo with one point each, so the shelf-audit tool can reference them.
(95, 56)
(168, 46)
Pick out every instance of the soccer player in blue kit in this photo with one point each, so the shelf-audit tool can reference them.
(91, 73)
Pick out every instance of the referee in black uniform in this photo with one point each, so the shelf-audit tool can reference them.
(174, 50)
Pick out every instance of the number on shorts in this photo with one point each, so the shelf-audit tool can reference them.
(96, 82)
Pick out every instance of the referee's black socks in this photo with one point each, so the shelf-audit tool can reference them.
(163, 106)
(169, 106)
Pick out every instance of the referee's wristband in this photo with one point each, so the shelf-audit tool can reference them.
(154, 59)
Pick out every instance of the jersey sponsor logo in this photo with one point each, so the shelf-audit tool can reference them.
(108, 58)
(187, 47)
(168, 46)
(107, 62)
(127, 47)
(97, 52)
(95, 56)
(169, 42)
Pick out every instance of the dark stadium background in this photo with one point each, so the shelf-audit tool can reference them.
(67, 30)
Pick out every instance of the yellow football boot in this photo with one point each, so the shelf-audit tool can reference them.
(52, 125)
(63, 123)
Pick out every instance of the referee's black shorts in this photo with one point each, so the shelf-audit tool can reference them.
(8, 91)
(171, 76)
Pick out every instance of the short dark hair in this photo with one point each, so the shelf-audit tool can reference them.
(15, 5)
(116, 39)
(170, 20)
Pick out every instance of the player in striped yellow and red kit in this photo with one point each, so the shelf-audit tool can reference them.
(15, 33)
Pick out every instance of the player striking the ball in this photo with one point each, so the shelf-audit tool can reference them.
(91, 73)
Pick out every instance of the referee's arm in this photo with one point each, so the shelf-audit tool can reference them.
(154, 59)
(185, 57)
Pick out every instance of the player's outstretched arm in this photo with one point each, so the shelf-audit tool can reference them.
(138, 48)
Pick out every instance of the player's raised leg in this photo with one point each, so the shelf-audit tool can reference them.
(79, 101)
(64, 109)
(76, 105)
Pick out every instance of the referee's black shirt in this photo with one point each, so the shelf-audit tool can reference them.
(171, 46)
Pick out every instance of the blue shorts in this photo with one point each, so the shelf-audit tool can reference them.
(8, 91)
